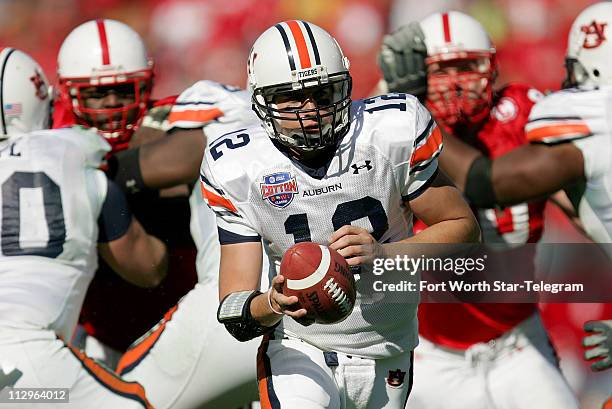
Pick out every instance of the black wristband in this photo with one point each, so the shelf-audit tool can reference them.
(235, 313)
(124, 169)
(478, 185)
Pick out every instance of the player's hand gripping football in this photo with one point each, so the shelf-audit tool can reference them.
(402, 60)
(600, 339)
(356, 245)
(280, 303)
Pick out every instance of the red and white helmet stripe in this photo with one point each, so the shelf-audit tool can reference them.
(446, 27)
(454, 31)
(103, 41)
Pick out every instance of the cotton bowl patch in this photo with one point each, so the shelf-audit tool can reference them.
(279, 189)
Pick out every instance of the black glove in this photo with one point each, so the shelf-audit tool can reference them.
(402, 60)
(601, 341)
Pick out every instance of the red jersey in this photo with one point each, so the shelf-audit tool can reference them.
(115, 311)
(462, 325)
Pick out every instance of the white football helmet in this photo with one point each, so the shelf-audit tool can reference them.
(588, 60)
(106, 54)
(299, 61)
(24, 94)
(461, 68)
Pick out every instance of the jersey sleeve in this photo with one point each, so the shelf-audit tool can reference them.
(209, 102)
(404, 132)
(226, 193)
(553, 120)
(422, 167)
(115, 216)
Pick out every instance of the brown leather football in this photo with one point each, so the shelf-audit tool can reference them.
(321, 280)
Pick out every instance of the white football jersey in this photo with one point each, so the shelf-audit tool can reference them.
(387, 158)
(52, 195)
(582, 117)
(218, 109)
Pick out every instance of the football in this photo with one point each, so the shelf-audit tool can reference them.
(321, 280)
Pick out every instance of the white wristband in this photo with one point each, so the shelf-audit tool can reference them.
(270, 303)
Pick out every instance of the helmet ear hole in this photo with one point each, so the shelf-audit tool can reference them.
(596, 72)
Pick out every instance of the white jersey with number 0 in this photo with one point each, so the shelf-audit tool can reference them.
(387, 158)
(52, 195)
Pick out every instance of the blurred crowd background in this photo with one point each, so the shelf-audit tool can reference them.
(210, 39)
(195, 39)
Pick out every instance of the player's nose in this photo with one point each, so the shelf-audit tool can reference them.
(310, 104)
(112, 100)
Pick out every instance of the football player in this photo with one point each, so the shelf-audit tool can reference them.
(448, 61)
(188, 360)
(570, 142)
(269, 183)
(105, 82)
(57, 208)
(175, 359)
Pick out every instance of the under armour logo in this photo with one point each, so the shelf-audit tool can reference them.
(396, 378)
(356, 168)
(594, 34)
(40, 85)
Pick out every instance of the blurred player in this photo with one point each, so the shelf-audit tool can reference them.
(379, 155)
(56, 208)
(188, 360)
(449, 62)
(105, 82)
(570, 140)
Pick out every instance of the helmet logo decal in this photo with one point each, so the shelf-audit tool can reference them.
(40, 85)
(594, 34)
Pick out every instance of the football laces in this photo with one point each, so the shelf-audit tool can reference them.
(338, 295)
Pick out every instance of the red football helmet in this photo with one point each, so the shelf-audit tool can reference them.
(105, 73)
(461, 68)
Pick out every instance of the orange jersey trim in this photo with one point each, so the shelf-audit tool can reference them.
(192, 115)
(426, 151)
(214, 199)
(300, 42)
(131, 390)
(262, 376)
(556, 131)
(136, 353)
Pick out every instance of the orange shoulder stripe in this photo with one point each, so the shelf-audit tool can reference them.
(556, 131)
(425, 151)
(131, 390)
(195, 115)
(136, 353)
(214, 199)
